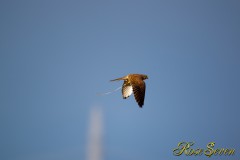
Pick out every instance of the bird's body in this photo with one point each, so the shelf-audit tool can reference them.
(134, 83)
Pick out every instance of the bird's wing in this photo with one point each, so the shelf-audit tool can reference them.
(126, 89)
(138, 86)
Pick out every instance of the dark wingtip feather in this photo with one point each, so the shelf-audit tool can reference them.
(140, 105)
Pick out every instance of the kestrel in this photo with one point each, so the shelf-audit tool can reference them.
(133, 83)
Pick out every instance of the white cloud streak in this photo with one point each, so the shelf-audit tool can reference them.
(94, 150)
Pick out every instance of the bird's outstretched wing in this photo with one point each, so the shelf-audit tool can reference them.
(138, 86)
(126, 89)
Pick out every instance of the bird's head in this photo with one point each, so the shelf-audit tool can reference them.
(144, 77)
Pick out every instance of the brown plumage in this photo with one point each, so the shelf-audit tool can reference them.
(134, 83)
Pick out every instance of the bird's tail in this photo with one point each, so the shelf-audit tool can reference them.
(118, 79)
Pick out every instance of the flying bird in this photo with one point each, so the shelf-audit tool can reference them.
(134, 83)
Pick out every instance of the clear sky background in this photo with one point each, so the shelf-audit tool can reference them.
(55, 56)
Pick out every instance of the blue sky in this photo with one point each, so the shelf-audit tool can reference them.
(55, 56)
